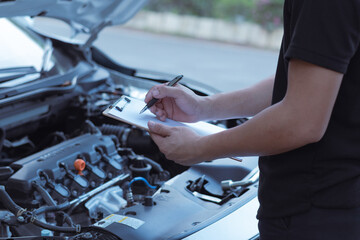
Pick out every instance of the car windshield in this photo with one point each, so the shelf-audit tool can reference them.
(21, 51)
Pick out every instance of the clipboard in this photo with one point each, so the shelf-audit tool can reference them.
(126, 109)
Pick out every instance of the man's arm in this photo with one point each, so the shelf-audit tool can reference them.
(241, 103)
(181, 104)
(299, 119)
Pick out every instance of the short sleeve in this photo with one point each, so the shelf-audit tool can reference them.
(325, 32)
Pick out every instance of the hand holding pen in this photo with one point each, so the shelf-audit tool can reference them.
(154, 100)
(178, 103)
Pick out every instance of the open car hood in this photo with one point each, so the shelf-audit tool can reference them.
(87, 16)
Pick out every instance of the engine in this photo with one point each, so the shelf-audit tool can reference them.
(88, 177)
(63, 165)
(68, 172)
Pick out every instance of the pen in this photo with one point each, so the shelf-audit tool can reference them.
(154, 100)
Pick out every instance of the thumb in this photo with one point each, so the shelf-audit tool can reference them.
(159, 129)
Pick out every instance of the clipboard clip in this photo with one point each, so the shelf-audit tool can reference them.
(121, 103)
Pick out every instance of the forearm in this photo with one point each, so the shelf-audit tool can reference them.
(275, 130)
(242, 103)
(299, 119)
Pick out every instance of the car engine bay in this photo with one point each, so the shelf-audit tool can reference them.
(68, 172)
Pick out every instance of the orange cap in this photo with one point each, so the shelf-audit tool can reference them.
(79, 165)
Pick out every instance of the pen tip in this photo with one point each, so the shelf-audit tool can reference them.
(142, 110)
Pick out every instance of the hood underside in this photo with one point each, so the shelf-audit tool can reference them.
(87, 16)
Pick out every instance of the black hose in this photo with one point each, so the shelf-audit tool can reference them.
(2, 138)
(156, 166)
(44, 194)
(93, 129)
(41, 224)
(118, 131)
(132, 138)
(68, 219)
(50, 201)
(8, 203)
(35, 238)
(108, 129)
(52, 208)
(77, 229)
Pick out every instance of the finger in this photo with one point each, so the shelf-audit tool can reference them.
(160, 118)
(159, 129)
(169, 106)
(153, 109)
(161, 115)
(151, 93)
(157, 114)
(160, 104)
(148, 95)
(156, 107)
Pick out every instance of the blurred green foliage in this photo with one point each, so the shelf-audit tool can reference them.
(268, 13)
(265, 12)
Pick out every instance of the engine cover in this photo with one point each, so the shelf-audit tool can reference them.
(53, 169)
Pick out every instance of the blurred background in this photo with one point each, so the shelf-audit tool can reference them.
(267, 13)
(227, 44)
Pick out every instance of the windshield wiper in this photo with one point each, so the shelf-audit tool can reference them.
(8, 74)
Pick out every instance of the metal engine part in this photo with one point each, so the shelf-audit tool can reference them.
(106, 202)
(53, 169)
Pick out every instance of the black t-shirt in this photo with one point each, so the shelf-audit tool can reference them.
(327, 173)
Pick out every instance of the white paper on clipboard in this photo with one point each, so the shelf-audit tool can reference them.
(127, 109)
